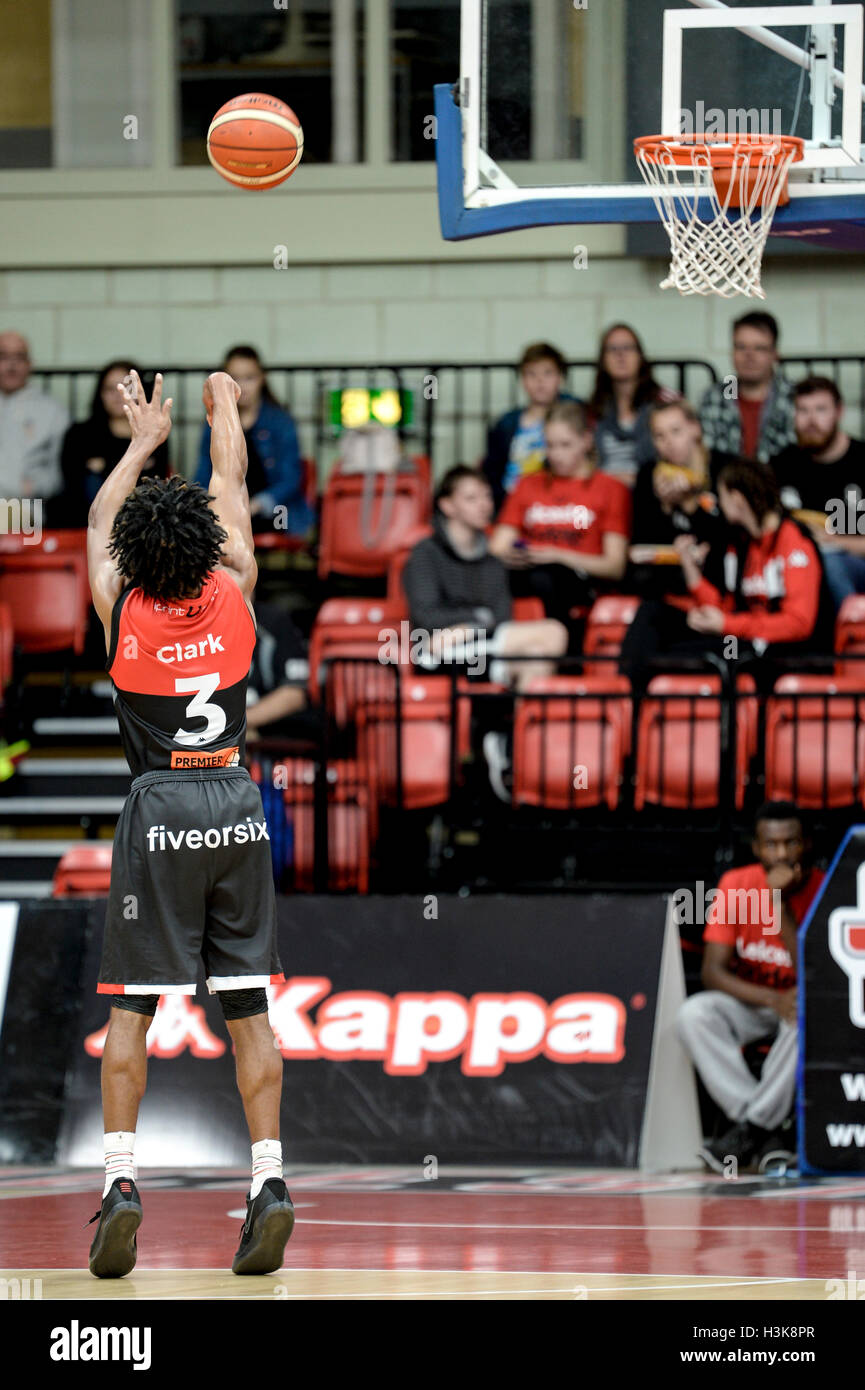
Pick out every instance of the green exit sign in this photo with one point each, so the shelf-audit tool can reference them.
(356, 406)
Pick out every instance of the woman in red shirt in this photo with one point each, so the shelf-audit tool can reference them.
(773, 592)
(567, 527)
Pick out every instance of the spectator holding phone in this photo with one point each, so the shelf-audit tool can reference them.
(565, 530)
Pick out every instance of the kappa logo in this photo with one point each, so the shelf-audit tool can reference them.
(178, 1024)
(160, 838)
(847, 946)
(409, 1031)
(406, 1032)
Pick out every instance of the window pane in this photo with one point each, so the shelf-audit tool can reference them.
(75, 84)
(228, 47)
(425, 49)
(534, 107)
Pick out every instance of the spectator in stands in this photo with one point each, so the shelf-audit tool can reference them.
(822, 478)
(276, 699)
(623, 395)
(458, 591)
(274, 478)
(673, 496)
(92, 449)
(515, 444)
(773, 595)
(749, 990)
(32, 425)
(565, 529)
(751, 414)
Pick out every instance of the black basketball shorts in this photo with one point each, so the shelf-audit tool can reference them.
(190, 875)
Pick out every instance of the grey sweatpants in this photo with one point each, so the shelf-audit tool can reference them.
(714, 1027)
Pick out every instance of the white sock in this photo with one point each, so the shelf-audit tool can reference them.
(266, 1163)
(118, 1156)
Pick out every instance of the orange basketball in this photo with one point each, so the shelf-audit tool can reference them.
(255, 141)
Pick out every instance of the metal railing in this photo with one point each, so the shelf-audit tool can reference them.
(665, 770)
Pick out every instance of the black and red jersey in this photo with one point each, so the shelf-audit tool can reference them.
(180, 668)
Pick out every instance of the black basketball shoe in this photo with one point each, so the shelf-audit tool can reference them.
(266, 1230)
(115, 1247)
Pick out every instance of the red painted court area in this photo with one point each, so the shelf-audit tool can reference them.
(605, 1225)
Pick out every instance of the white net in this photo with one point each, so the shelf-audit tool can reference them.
(716, 202)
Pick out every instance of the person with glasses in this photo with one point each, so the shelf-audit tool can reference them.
(623, 395)
(751, 412)
(32, 426)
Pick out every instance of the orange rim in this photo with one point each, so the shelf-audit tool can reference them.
(723, 150)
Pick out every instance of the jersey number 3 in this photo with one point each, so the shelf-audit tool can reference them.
(198, 707)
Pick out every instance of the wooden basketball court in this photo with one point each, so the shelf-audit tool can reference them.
(386, 1233)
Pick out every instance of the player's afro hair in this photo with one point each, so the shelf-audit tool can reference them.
(165, 538)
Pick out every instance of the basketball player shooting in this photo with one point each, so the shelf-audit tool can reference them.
(172, 571)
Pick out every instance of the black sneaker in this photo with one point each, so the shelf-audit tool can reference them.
(266, 1230)
(778, 1154)
(741, 1143)
(115, 1245)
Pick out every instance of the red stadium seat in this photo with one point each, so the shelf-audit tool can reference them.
(48, 595)
(426, 744)
(850, 637)
(527, 610)
(401, 502)
(555, 737)
(679, 742)
(350, 628)
(49, 542)
(7, 642)
(815, 746)
(608, 621)
(279, 539)
(349, 825)
(83, 872)
(395, 591)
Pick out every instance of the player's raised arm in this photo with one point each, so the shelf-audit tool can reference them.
(151, 425)
(228, 479)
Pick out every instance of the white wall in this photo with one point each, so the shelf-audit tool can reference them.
(450, 310)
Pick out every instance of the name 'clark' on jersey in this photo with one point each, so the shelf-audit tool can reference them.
(180, 668)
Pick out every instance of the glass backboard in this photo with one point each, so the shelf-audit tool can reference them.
(549, 98)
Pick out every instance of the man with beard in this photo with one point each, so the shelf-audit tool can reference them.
(816, 476)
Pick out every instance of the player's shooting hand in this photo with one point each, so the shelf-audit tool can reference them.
(150, 421)
(218, 383)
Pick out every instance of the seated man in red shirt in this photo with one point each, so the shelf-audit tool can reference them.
(749, 977)
(566, 527)
(773, 597)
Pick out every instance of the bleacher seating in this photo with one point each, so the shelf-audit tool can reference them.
(586, 729)
(83, 872)
(679, 742)
(400, 503)
(815, 741)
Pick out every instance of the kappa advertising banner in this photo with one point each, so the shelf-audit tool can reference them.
(832, 1013)
(504, 1029)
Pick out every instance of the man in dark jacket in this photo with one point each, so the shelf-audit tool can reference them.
(459, 594)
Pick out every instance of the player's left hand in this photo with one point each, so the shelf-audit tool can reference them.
(150, 421)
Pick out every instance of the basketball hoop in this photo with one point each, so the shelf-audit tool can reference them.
(716, 196)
